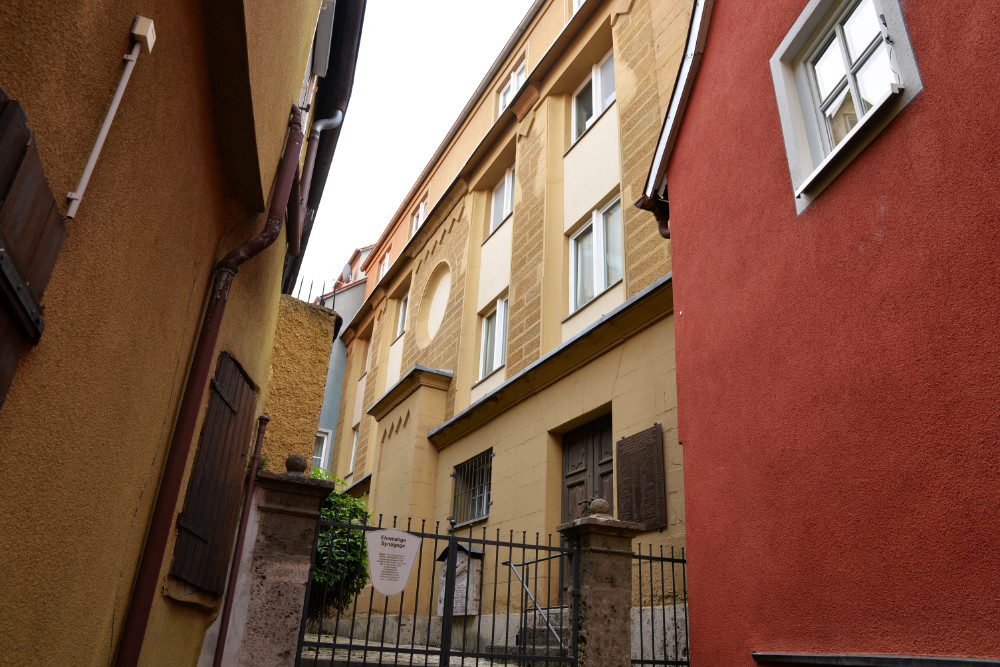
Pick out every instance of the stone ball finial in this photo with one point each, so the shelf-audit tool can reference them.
(599, 506)
(296, 463)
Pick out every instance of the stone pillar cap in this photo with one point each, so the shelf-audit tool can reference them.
(296, 464)
(600, 521)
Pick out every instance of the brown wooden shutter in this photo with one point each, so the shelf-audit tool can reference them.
(214, 495)
(31, 234)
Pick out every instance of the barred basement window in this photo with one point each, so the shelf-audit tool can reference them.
(472, 488)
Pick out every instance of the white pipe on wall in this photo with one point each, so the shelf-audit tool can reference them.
(138, 42)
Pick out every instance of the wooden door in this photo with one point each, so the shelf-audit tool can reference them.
(588, 467)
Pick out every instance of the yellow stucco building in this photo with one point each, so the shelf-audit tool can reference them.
(95, 404)
(518, 320)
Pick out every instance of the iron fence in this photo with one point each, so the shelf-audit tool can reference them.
(659, 621)
(474, 597)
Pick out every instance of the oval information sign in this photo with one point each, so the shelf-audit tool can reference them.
(391, 554)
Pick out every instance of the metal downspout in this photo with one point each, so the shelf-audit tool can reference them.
(302, 185)
(162, 519)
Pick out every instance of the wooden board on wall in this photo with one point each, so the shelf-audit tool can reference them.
(642, 483)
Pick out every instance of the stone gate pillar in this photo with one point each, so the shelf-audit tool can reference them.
(604, 587)
(288, 506)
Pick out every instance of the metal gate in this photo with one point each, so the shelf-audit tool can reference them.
(660, 622)
(473, 597)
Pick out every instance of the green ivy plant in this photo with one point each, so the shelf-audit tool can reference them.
(342, 558)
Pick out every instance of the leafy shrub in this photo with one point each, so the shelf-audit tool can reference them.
(342, 559)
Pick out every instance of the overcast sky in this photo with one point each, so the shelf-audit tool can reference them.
(419, 63)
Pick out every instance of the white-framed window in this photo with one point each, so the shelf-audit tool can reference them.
(493, 347)
(354, 449)
(596, 255)
(321, 450)
(843, 71)
(367, 342)
(401, 316)
(471, 500)
(383, 268)
(418, 217)
(516, 81)
(577, 4)
(503, 200)
(594, 96)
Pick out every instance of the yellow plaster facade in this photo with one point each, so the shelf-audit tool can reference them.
(416, 406)
(184, 177)
(303, 339)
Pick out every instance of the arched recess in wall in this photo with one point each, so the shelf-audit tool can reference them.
(433, 304)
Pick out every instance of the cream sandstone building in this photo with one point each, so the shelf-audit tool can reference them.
(518, 315)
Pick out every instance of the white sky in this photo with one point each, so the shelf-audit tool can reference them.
(419, 63)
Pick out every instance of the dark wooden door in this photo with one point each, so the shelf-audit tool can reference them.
(207, 524)
(588, 473)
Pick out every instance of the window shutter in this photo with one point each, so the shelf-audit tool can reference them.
(31, 234)
(212, 505)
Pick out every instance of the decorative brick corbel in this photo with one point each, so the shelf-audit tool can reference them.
(525, 101)
(620, 8)
(525, 127)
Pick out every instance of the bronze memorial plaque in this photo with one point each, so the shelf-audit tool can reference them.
(642, 488)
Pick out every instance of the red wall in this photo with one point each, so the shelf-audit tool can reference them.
(839, 372)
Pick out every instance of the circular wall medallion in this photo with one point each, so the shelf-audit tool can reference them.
(433, 304)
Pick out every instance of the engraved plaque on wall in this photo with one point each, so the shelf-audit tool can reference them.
(642, 488)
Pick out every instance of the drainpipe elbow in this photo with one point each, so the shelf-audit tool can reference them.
(328, 123)
(287, 169)
(660, 208)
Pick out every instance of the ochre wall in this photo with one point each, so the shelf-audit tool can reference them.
(91, 408)
(838, 371)
(302, 343)
(634, 381)
(649, 44)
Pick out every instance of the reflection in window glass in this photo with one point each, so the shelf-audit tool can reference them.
(875, 77)
(860, 29)
(584, 259)
(489, 342)
(607, 82)
(584, 107)
(613, 244)
(318, 450)
(841, 116)
(830, 69)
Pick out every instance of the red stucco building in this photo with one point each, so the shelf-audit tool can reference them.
(838, 352)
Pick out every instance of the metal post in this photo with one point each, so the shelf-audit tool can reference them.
(449, 596)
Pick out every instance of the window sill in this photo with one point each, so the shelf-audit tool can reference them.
(401, 334)
(848, 141)
(590, 127)
(596, 297)
(488, 375)
(472, 522)
(497, 228)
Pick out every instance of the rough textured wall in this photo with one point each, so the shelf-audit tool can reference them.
(524, 319)
(279, 38)
(342, 444)
(366, 430)
(449, 244)
(838, 371)
(649, 43)
(301, 353)
(122, 310)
